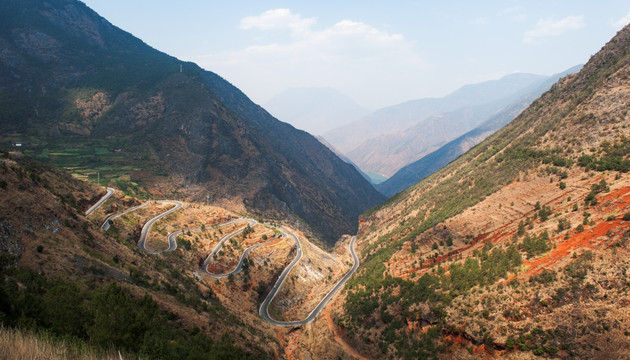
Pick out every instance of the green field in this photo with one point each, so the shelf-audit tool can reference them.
(111, 161)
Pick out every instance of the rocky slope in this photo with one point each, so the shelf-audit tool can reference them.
(427, 165)
(90, 97)
(517, 248)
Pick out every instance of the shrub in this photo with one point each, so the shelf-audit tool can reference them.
(521, 228)
(563, 224)
(544, 213)
(544, 277)
(535, 244)
(626, 217)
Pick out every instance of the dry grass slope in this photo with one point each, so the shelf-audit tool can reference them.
(510, 248)
(18, 345)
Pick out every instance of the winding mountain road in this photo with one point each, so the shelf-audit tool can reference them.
(93, 208)
(107, 223)
(264, 307)
(219, 246)
(147, 226)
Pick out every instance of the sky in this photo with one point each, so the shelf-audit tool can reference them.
(379, 53)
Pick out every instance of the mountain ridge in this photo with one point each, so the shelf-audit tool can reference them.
(499, 248)
(425, 166)
(83, 85)
(402, 116)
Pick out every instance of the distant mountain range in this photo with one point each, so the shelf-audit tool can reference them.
(403, 116)
(88, 96)
(434, 161)
(315, 110)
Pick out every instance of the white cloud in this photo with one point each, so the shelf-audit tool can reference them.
(622, 22)
(546, 28)
(346, 55)
(278, 19)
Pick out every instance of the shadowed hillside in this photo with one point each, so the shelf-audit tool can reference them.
(87, 96)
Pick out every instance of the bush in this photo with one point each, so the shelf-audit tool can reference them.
(626, 217)
(535, 244)
(614, 157)
(544, 277)
(563, 224)
(521, 228)
(543, 213)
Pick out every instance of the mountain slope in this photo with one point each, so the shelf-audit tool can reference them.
(315, 110)
(402, 116)
(88, 96)
(65, 277)
(516, 245)
(387, 153)
(434, 161)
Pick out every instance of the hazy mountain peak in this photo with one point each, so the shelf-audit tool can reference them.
(315, 109)
(405, 115)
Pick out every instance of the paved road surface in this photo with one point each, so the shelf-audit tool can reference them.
(148, 224)
(107, 223)
(109, 193)
(264, 307)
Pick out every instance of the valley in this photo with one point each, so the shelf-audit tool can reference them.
(184, 255)
(151, 210)
(272, 232)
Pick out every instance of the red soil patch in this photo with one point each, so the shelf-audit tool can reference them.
(479, 350)
(586, 239)
(620, 200)
(215, 289)
(615, 201)
(456, 340)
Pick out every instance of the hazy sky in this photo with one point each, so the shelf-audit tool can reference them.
(378, 52)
